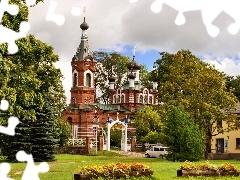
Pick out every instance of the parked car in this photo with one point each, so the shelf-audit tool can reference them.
(157, 151)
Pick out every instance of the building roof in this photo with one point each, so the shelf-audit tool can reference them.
(104, 107)
(237, 109)
(137, 86)
(112, 107)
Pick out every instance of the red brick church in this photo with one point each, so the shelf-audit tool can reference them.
(83, 113)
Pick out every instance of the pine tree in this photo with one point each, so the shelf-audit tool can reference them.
(182, 136)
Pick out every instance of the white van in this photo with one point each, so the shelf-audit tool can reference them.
(157, 151)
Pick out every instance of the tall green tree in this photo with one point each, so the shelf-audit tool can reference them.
(109, 64)
(233, 84)
(184, 79)
(32, 85)
(182, 136)
(37, 99)
(148, 125)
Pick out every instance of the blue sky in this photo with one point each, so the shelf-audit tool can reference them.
(119, 25)
(146, 58)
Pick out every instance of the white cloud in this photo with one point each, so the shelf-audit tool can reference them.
(66, 70)
(227, 65)
(114, 24)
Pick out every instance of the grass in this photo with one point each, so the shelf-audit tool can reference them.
(67, 165)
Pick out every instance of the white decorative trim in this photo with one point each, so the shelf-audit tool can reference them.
(85, 73)
(145, 89)
(145, 94)
(141, 94)
(117, 98)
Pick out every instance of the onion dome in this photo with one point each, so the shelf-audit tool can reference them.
(84, 25)
(133, 65)
(111, 79)
(131, 76)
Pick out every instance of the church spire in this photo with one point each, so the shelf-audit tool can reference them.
(83, 50)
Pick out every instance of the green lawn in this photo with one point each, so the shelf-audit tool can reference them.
(67, 165)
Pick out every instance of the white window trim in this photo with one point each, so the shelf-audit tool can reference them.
(85, 73)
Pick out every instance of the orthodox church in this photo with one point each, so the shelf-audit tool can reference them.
(83, 113)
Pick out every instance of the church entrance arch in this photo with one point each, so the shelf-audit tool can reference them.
(110, 124)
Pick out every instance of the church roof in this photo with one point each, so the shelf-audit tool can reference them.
(112, 107)
(104, 107)
(137, 86)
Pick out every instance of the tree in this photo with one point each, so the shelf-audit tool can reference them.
(108, 65)
(34, 90)
(32, 85)
(233, 84)
(182, 136)
(148, 125)
(184, 79)
(145, 77)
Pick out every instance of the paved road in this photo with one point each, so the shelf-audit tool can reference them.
(130, 154)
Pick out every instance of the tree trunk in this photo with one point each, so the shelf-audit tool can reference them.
(208, 146)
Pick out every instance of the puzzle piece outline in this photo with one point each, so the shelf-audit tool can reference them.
(31, 170)
(59, 19)
(4, 170)
(10, 8)
(210, 10)
(7, 35)
(12, 121)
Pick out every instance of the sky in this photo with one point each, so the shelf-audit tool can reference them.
(119, 25)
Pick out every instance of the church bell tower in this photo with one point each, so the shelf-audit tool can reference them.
(83, 68)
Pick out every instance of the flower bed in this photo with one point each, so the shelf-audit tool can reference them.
(117, 170)
(207, 169)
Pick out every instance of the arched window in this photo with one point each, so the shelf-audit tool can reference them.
(74, 79)
(119, 99)
(141, 99)
(145, 99)
(114, 99)
(88, 80)
(122, 99)
(150, 100)
(69, 119)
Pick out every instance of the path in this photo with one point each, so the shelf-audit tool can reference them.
(130, 154)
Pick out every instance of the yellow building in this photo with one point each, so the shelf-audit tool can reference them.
(224, 146)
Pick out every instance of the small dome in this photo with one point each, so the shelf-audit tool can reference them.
(133, 65)
(84, 25)
(111, 79)
(131, 76)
